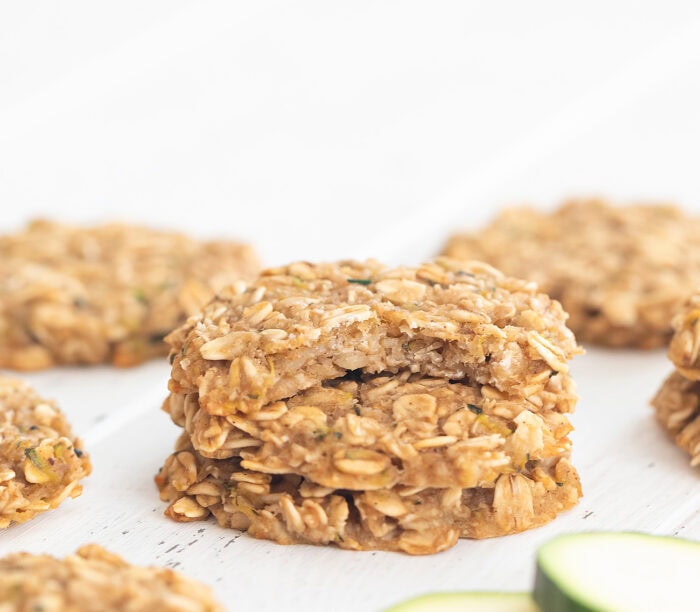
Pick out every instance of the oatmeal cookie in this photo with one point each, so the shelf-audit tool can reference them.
(684, 349)
(41, 463)
(677, 405)
(295, 327)
(108, 293)
(373, 432)
(94, 578)
(359, 382)
(288, 508)
(620, 273)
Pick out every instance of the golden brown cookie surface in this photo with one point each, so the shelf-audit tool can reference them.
(378, 431)
(417, 520)
(677, 405)
(684, 349)
(677, 402)
(297, 326)
(620, 272)
(41, 463)
(71, 295)
(95, 579)
(363, 383)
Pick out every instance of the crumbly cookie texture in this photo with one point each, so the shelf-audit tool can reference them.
(92, 579)
(379, 431)
(677, 405)
(41, 463)
(677, 402)
(620, 272)
(684, 349)
(417, 520)
(110, 293)
(297, 326)
(362, 382)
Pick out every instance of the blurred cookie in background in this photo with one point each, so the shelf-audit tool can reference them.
(104, 294)
(620, 272)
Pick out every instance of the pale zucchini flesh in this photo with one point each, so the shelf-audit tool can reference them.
(617, 572)
(468, 602)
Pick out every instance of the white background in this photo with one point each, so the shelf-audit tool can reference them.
(321, 130)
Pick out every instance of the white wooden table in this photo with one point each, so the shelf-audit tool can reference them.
(323, 131)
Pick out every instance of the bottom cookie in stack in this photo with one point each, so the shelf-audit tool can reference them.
(677, 402)
(288, 508)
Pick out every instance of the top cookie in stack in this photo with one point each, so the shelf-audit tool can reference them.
(620, 272)
(355, 377)
(109, 293)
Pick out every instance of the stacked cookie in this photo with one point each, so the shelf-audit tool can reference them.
(620, 272)
(373, 408)
(677, 402)
(41, 463)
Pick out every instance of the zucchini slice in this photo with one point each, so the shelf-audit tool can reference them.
(617, 572)
(475, 602)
